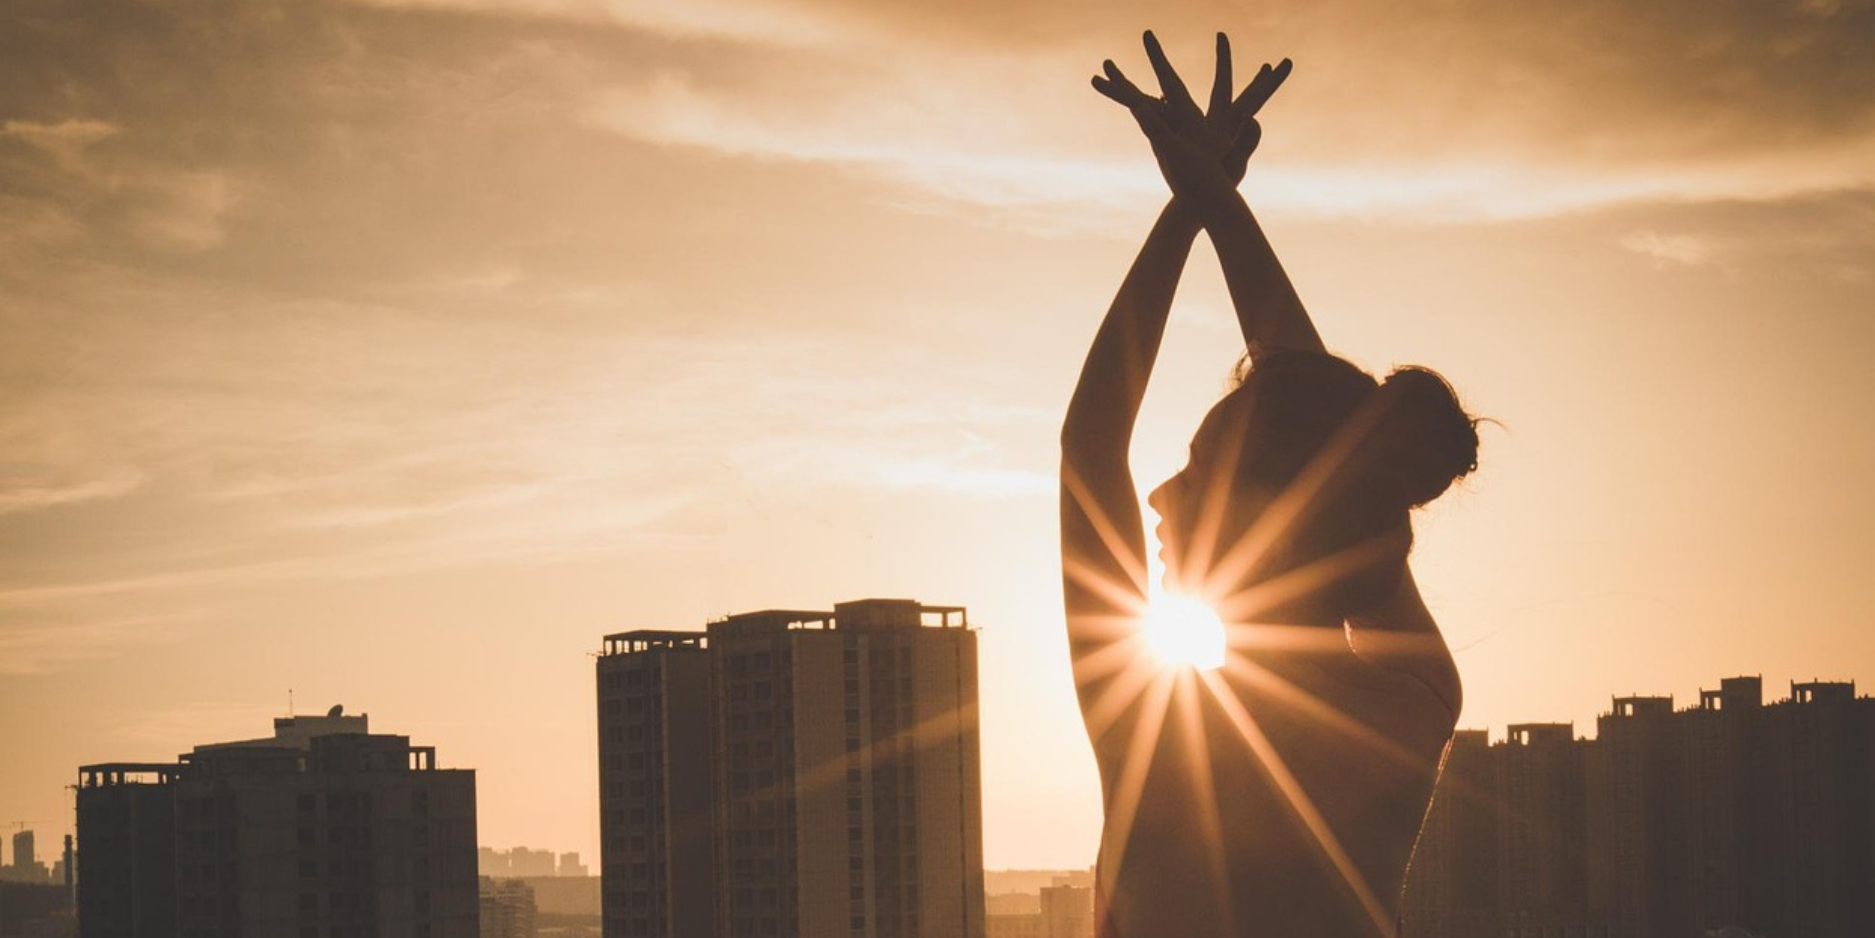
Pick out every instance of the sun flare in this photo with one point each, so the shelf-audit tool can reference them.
(1182, 630)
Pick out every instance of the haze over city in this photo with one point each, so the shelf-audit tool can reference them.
(393, 353)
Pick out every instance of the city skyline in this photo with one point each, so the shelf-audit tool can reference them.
(391, 352)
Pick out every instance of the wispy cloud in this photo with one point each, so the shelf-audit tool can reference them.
(1664, 249)
(962, 141)
(66, 141)
(29, 488)
(747, 21)
(163, 207)
(34, 645)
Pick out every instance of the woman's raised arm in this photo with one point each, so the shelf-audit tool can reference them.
(1103, 545)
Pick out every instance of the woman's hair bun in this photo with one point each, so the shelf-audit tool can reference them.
(1425, 439)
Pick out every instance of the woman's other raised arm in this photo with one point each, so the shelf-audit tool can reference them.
(1103, 546)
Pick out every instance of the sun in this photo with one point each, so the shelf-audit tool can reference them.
(1183, 631)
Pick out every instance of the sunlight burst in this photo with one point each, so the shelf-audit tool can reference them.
(1184, 631)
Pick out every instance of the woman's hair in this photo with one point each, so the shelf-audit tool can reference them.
(1370, 450)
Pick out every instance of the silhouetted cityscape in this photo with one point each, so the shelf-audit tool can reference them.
(808, 773)
(1728, 814)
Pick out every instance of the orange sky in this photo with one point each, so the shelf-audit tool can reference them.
(395, 352)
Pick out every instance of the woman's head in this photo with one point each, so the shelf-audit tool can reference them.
(1311, 463)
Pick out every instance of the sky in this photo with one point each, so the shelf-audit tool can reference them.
(390, 354)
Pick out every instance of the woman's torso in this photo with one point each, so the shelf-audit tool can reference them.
(1319, 769)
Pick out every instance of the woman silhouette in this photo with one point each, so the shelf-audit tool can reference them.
(1280, 794)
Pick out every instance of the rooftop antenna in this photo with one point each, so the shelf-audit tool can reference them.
(289, 702)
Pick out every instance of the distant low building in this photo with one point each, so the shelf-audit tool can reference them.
(321, 829)
(508, 909)
(1061, 910)
(26, 866)
(527, 863)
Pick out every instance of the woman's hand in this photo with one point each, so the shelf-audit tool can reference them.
(1203, 154)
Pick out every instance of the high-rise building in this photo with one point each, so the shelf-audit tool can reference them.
(656, 792)
(321, 829)
(1452, 884)
(1731, 815)
(806, 774)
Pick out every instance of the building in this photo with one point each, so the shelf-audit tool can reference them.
(1732, 814)
(796, 774)
(507, 909)
(323, 829)
(26, 866)
(1061, 910)
(1453, 876)
(657, 858)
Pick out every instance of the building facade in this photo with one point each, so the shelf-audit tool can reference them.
(1730, 814)
(323, 830)
(805, 774)
(508, 909)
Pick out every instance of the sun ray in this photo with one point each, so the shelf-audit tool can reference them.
(1127, 555)
(1123, 801)
(1210, 824)
(1120, 653)
(1253, 602)
(1299, 801)
(1296, 501)
(1112, 702)
(1211, 503)
(1322, 711)
(1123, 596)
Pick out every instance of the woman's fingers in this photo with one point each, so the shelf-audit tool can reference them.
(1221, 85)
(1258, 92)
(1171, 87)
(1121, 89)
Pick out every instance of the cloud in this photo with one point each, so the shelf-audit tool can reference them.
(29, 488)
(48, 643)
(163, 208)
(66, 140)
(901, 135)
(737, 20)
(1682, 250)
(1363, 131)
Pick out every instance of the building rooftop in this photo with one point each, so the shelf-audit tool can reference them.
(858, 615)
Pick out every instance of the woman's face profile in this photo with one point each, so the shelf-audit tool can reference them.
(1205, 508)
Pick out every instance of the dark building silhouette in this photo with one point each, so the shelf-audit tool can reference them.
(657, 858)
(1730, 814)
(797, 774)
(322, 829)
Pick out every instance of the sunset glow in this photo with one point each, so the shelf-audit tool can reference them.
(392, 353)
(1183, 631)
